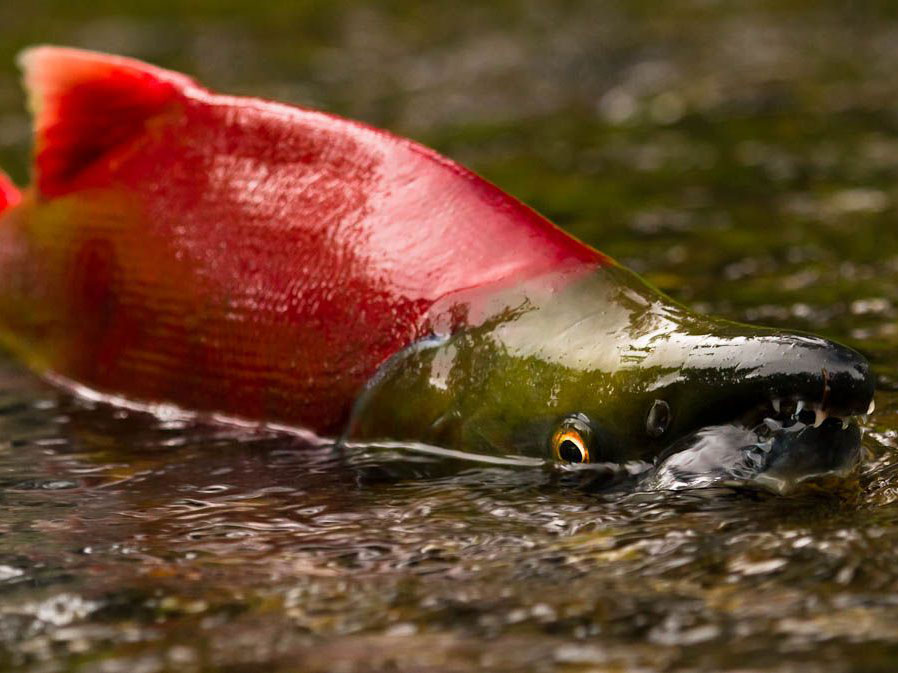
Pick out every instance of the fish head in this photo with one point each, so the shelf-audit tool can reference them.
(605, 370)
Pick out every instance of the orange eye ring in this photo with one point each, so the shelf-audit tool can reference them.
(570, 446)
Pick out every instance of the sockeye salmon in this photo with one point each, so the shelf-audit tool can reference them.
(267, 262)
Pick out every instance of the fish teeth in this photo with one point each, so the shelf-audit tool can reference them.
(820, 414)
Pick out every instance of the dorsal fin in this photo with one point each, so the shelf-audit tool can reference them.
(85, 103)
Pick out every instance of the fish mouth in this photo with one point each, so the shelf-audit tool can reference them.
(786, 446)
(799, 424)
(786, 411)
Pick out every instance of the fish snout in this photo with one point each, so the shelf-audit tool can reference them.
(764, 373)
(848, 381)
(811, 375)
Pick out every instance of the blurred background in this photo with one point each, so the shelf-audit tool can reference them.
(742, 156)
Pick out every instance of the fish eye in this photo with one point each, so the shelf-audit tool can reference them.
(572, 440)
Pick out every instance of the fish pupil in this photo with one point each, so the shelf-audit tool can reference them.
(570, 452)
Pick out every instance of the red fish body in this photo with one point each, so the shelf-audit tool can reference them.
(234, 255)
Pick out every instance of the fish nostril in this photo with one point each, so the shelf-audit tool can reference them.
(807, 416)
(658, 419)
(787, 408)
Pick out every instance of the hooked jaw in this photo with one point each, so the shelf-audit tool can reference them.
(770, 374)
(780, 416)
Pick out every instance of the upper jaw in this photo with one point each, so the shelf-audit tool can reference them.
(776, 375)
(788, 411)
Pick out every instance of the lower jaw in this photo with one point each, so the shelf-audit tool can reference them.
(822, 458)
(782, 459)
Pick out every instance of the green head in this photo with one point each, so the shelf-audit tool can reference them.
(602, 368)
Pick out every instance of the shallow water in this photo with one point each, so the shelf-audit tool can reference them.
(744, 160)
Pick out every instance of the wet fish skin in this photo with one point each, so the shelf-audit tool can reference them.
(236, 255)
(260, 261)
